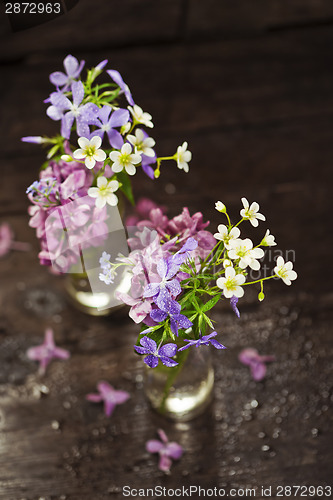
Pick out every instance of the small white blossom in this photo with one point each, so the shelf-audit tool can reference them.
(220, 207)
(125, 159)
(226, 236)
(268, 240)
(251, 212)
(285, 270)
(139, 116)
(142, 143)
(183, 157)
(90, 151)
(104, 192)
(243, 250)
(66, 158)
(125, 128)
(227, 263)
(231, 283)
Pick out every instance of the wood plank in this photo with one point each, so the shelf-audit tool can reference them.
(241, 18)
(108, 24)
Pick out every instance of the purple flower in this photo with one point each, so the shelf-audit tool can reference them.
(75, 111)
(34, 139)
(160, 292)
(73, 70)
(117, 78)
(177, 320)
(233, 303)
(205, 340)
(252, 358)
(109, 395)
(7, 242)
(100, 66)
(106, 124)
(45, 352)
(164, 353)
(166, 449)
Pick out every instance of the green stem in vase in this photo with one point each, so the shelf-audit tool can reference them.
(172, 375)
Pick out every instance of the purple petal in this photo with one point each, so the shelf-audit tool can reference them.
(168, 362)
(58, 78)
(71, 65)
(151, 290)
(104, 114)
(151, 361)
(258, 370)
(163, 436)
(165, 302)
(94, 398)
(174, 287)
(104, 388)
(148, 170)
(82, 127)
(162, 268)
(36, 353)
(61, 353)
(233, 303)
(217, 344)
(120, 397)
(78, 92)
(168, 350)
(247, 356)
(115, 139)
(183, 321)
(191, 244)
(141, 350)
(117, 78)
(119, 117)
(174, 326)
(149, 344)
(49, 341)
(154, 446)
(158, 315)
(66, 125)
(164, 463)
(109, 406)
(174, 450)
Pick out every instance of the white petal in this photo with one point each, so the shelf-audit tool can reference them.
(79, 154)
(90, 162)
(114, 185)
(239, 292)
(100, 202)
(83, 142)
(126, 149)
(99, 155)
(130, 169)
(112, 200)
(136, 158)
(101, 181)
(93, 192)
(114, 155)
(234, 233)
(245, 203)
(116, 167)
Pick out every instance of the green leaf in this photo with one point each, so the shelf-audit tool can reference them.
(126, 187)
(211, 303)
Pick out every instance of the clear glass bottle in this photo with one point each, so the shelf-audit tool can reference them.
(183, 392)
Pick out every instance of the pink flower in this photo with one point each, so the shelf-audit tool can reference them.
(45, 352)
(166, 449)
(252, 358)
(109, 395)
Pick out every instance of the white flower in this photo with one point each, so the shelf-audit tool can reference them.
(224, 235)
(90, 151)
(142, 143)
(220, 207)
(231, 283)
(107, 275)
(139, 116)
(104, 192)
(125, 128)
(285, 270)
(251, 212)
(243, 250)
(105, 261)
(125, 159)
(268, 240)
(183, 157)
(227, 263)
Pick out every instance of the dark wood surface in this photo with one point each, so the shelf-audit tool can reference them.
(249, 86)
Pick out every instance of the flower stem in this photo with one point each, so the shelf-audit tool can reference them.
(172, 375)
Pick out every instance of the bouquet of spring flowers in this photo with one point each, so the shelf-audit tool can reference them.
(101, 144)
(180, 271)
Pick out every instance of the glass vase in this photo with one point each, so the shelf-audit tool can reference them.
(183, 392)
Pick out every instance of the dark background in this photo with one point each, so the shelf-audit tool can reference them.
(249, 85)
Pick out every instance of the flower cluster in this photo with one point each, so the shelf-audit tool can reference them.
(179, 273)
(99, 149)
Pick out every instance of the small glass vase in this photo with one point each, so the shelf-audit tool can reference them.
(183, 392)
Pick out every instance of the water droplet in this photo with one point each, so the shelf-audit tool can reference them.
(265, 447)
(261, 435)
(314, 432)
(55, 425)
(232, 472)
(236, 459)
(66, 405)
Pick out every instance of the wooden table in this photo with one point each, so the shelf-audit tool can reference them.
(249, 86)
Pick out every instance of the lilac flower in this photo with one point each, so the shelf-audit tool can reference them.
(45, 352)
(73, 69)
(109, 395)
(252, 358)
(34, 139)
(7, 242)
(166, 449)
(233, 303)
(160, 292)
(205, 340)
(107, 125)
(164, 353)
(177, 320)
(117, 78)
(75, 111)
